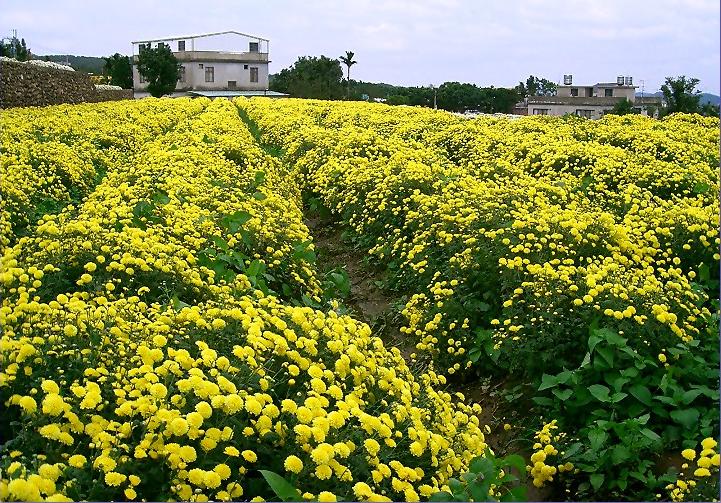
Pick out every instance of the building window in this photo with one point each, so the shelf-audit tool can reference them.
(210, 74)
(540, 111)
(245, 67)
(608, 93)
(181, 45)
(141, 78)
(254, 74)
(584, 113)
(181, 74)
(232, 84)
(574, 91)
(253, 47)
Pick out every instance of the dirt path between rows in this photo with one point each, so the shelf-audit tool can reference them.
(368, 301)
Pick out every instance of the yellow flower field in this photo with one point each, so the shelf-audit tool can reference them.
(167, 336)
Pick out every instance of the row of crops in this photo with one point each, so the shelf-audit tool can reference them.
(157, 339)
(578, 258)
(167, 333)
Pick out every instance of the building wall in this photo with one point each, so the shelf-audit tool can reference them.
(619, 92)
(223, 72)
(583, 91)
(559, 110)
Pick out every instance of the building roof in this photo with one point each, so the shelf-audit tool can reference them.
(201, 35)
(233, 94)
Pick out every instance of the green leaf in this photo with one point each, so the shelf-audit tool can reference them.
(548, 381)
(563, 395)
(629, 372)
(479, 491)
(235, 221)
(617, 397)
(515, 461)
(599, 392)
(456, 487)
(259, 196)
(704, 273)
(597, 480)
(516, 494)
(619, 382)
(441, 496)
(482, 465)
(701, 188)
(259, 177)
(281, 487)
(607, 354)
(255, 268)
(690, 396)
(686, 417)
(651, 435)
(597, 437)
(620, 453)
(641, 393)
(161, 197)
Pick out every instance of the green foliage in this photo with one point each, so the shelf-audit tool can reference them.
(709, 110)
(311, 77)
(348, 61)
(160, 68)
(681, 95)
(458, 97)
(623, 107)
(626, 408)
(281, 487)
(15, 48)
(535, 86)
(486, 471)
(118, 68)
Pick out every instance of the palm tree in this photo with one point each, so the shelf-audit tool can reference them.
(347, 60)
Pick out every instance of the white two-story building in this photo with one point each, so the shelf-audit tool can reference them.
(591, 101)
(222, 64)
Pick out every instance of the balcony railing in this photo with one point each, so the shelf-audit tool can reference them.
(187, 56)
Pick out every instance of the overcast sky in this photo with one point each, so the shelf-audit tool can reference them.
(411, 42)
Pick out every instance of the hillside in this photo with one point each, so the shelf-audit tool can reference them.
(705, 97)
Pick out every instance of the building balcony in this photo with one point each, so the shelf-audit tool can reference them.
(219, 56)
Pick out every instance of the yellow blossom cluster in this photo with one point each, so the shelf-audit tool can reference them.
(693, 479)
(528, 229)
(542, 469)
(155, 343)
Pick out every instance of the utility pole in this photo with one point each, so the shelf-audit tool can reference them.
(435, 95)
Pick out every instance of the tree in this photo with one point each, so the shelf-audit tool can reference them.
(347, 60)
(535, 86)
(622, 107)
(16, 49)
(160, 68)
(681, 95)
(311, 77)
(118, 68)
(709, 110)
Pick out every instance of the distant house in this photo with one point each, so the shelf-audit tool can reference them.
(240, 69)
(591, 101)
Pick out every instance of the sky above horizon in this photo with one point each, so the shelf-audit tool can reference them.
(412, 42)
